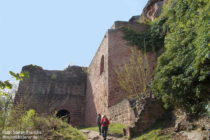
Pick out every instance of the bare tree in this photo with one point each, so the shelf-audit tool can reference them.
(133, 77)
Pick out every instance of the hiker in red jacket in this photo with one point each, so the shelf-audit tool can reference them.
(104, 125)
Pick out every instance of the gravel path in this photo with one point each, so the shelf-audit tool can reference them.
(93, 135)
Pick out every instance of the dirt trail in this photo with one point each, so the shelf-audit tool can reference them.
(93, 135)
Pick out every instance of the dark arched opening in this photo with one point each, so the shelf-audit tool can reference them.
(64, 115)
(102, 65)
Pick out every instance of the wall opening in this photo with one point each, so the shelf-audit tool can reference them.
(102, 65)
(64, 115)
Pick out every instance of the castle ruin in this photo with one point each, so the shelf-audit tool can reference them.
(83, 92)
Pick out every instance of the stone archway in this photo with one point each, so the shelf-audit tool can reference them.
(64, 115)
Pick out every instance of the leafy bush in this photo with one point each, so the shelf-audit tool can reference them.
(182, 75)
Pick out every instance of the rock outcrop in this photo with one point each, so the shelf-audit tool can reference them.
(147, 111)
(139, 115)
(152, 10)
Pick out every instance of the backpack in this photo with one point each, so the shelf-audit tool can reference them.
(105, 122)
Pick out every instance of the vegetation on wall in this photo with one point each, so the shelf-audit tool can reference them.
(150, 40)
(182, 74)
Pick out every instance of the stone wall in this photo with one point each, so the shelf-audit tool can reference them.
(122, 113)
(51, 91)
(97, 84)
(131, 25)
(102, 88)
(119, 54)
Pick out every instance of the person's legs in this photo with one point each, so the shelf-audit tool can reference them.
(99, 128)
(102, 131)
(105, 132)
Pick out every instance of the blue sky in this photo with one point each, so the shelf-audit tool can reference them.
(56, 33)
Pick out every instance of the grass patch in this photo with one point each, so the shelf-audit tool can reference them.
(154, 135)
(116, 128)
(158, 130)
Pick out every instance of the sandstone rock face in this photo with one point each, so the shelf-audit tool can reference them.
(190, 130)
(51, 91)
(180, 120)
(147, 111)
(139, 115)
(192, 135)
(153, 9)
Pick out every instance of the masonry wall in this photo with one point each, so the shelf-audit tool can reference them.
(97, 84)
(122, 113)
(102, 88)
(51, 91)
(119, 53)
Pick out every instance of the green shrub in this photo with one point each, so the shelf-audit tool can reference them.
(28, 119)
(182, 74)
(48, 126)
